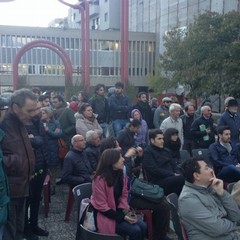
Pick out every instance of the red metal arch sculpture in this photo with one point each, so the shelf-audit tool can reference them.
(46, 44)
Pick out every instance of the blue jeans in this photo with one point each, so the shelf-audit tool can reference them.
(135, 231)
(230, 173)
(118, 125)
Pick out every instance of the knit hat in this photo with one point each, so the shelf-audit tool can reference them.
(166, 99)
(231, 103)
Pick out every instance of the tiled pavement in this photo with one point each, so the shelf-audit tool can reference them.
(54, 223)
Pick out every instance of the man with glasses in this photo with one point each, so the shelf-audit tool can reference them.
(18, 158)
(162, 112)
(206, 210)
(77, 168)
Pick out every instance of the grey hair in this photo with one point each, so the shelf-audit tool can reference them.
(74, 137)
(173, 106)
(89, 135)
(203, 108)
(19, 97)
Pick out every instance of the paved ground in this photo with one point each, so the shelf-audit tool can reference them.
(58, 229)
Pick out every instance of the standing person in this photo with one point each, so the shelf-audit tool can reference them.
(54, 132)
(161, 112)
(109, 199)
(141, 137)
(66, 118)
(187, 119)
(207, 211)
(44, 100)
(4, 194)
(100, 105)
(120, 107)
(38, 138)
(18, 158)
(231, 118)
(145, 109)
(203, 130)
(174, 121)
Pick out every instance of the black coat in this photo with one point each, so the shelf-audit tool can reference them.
(157, 163)
(93, 155)
(199, 135)
(76, 168)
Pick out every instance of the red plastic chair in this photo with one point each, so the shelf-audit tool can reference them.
(47, 194)
(69, 205)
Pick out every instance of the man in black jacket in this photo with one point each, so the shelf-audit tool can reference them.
(77, 168)
(203, 130)
(159, 166)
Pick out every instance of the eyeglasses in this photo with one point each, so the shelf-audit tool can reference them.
(168, 102)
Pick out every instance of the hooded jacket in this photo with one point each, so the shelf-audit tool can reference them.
(141, 137)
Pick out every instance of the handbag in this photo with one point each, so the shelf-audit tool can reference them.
(62, 148)
(146, 190)
(87, 215)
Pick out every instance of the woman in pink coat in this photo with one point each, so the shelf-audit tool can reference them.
(109, 199)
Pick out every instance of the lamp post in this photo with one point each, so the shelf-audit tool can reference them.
(83, 7)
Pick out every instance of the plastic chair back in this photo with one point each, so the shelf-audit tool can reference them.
(178, 227)
(85, 234)
(81, 191)
(184, 155)
(202, 152)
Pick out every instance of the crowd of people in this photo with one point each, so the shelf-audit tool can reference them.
(110, 142)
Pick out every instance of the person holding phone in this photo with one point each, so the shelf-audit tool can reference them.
(109, 199)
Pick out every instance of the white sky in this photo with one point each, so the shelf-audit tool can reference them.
(31, 12)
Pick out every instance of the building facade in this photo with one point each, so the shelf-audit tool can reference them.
(160, 16)
(42, 67)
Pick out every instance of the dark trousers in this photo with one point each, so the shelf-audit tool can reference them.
(188, 145)
(160, 216)
(172, 184)
(14, 227)
(33, 201)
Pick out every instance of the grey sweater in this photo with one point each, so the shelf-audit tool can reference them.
(207, 216)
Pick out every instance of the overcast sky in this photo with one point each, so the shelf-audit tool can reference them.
(31, 12)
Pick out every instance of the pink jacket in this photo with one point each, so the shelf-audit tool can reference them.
(102, 199)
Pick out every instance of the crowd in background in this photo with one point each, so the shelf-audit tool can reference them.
(109, 142)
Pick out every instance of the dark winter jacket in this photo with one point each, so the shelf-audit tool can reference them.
(76, 168)
(120, 106)
(233, 122)
(4, 194)
(157, 163)
(93, 155)
(199, 136)
(100, 107)
(187, 123)
(220, 157)
(67, 121)
(39, 143)
(18, 155)
(146, 112)
(52, 141)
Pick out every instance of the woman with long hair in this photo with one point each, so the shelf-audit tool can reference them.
(110, 199)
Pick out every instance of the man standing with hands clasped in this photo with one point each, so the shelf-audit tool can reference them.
(206, 210)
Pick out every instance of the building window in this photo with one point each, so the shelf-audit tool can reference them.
(106, 17)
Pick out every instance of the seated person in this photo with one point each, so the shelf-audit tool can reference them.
(126, 137)
(109, 199)
(159, 166)
(86, 120)
(141, 136)
(76, 167)
(160, 216)
(93, 148)
(173, 143)
(224, 157)
(206, 210)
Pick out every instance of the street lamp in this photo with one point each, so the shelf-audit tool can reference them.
(83, 7)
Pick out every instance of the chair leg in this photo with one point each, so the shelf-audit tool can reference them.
(47, 194)
(69, 205)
